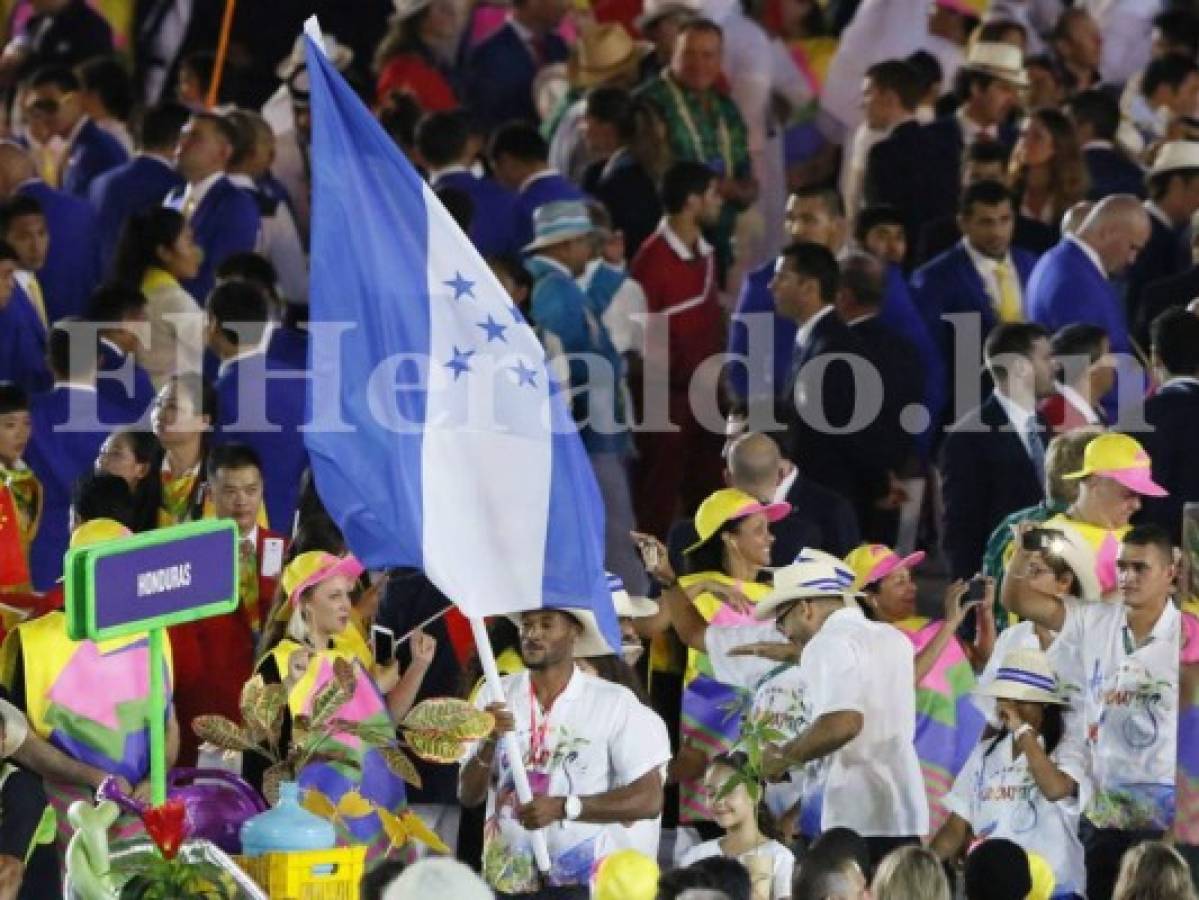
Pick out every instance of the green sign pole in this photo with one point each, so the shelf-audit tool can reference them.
(158, 724)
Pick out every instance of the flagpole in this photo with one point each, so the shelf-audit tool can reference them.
(222, 49)
(511, 743)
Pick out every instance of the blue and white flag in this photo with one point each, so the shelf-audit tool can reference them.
(455, 453)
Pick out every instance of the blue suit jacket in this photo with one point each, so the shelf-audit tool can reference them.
(282, 451)
(950, 283)
(136, 403)
(1064, 288)
(500, 73)
(497, 219)
(72, 268)
(23, 344)
(130, 188)
(225, 222)
(550, 188)
(93, 152)
(287, 348)
(58, 458)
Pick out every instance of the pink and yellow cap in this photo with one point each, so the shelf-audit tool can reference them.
(311, 568)
(728, 505)
(1122, 459)
(873, 562)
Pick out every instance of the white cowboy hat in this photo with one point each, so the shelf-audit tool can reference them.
(1003, 61)
(655, 10)
(1175, 155)
(590, 643)
(1026, 677)
(338, 54)
(815, 575)
(1066, 543)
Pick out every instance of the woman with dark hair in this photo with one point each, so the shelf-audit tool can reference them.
(1024, 783)
(136, 456)
(182, 417)
(411, 58)
(155, 254)
(725, 577)
(1048, 173)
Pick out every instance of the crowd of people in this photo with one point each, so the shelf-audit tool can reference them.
(879, 323)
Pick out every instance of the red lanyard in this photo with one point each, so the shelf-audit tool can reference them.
(539, 752)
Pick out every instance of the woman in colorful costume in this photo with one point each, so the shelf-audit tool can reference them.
(20, 499)
(948, 724)
(725, 568)
(54, 680)
(318, 585)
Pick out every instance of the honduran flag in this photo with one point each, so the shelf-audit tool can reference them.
(438, 439)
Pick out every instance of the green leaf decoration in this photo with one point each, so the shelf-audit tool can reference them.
(434, 747)
(329, 699)
(450, 716)
(262, 711)
(272, 778)
(223, 733)
(399, 763)
(373, 733)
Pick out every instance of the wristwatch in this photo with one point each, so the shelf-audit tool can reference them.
(573, 808)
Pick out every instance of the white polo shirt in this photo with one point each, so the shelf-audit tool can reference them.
(1131, 712)
(874, 783)
(643, 835)
(998, 796)
(591, 741)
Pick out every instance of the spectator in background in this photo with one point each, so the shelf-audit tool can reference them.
(22, 330)
(621, 135)
(1084, 373)
(224, 219)
(54, 95)
(500, 70)
(136, 457)
(910, 872)
(23, 227)
(1048, 174)
(120, 311)
(994, 458)
(677, 270)
(1077, 45)
(518, 155)
(142, 182)
(1172, 292)
(106, 95)
(412, 56)
(1154, 869)
(1168, 94)
(1172, 414)
(879, 230)
(59, 33)
(1045, 86)
(998, 869)
(1096, 117)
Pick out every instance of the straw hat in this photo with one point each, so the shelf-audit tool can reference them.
(815, 575)
(604, 52)
(1071, 547)
(1026, 677)
(1002, 61)
(590, 643)
(1175, 155)
(338, 54)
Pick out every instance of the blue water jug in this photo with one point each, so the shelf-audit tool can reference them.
(287, 827)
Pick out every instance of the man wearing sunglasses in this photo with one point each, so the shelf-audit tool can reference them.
(52, 95)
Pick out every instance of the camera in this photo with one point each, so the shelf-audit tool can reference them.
(1036, 539)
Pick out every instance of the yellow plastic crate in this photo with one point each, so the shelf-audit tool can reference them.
(308, 874)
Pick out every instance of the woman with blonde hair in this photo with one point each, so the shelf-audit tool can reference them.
(907, 873)
(1048, 172)
(1154, 871)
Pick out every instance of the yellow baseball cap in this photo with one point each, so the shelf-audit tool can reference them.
(97, 531)
(311, 568)
(1043, 880)
(873, 562)
(728, 505)
(1122, 459)
(625, 875)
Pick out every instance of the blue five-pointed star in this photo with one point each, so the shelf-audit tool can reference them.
(525, 374)
(495, 331)
(461, 287)
(460, 364)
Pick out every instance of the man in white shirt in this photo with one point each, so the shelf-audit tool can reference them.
(860, 677)
(588, 763)
(1129, 656)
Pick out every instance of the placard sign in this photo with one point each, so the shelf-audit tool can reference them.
(142, 584)
(152, 580)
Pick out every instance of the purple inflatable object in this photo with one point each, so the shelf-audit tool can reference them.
(217, 802)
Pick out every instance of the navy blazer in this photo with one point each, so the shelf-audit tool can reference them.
(1166, 253)
(278, 442)
(58, 458)
(630, 195)
(500, 73)
(1172, 443)
(132, 187)
(941, 234)
(898, 174)
(495, 224)
(136, 403)
(943, 146)
(852, 464)
(1112, 172)
(226, 222)
(93, 152)
(72, 269)
(987, 475)
(23, 344)
(1161, 295)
